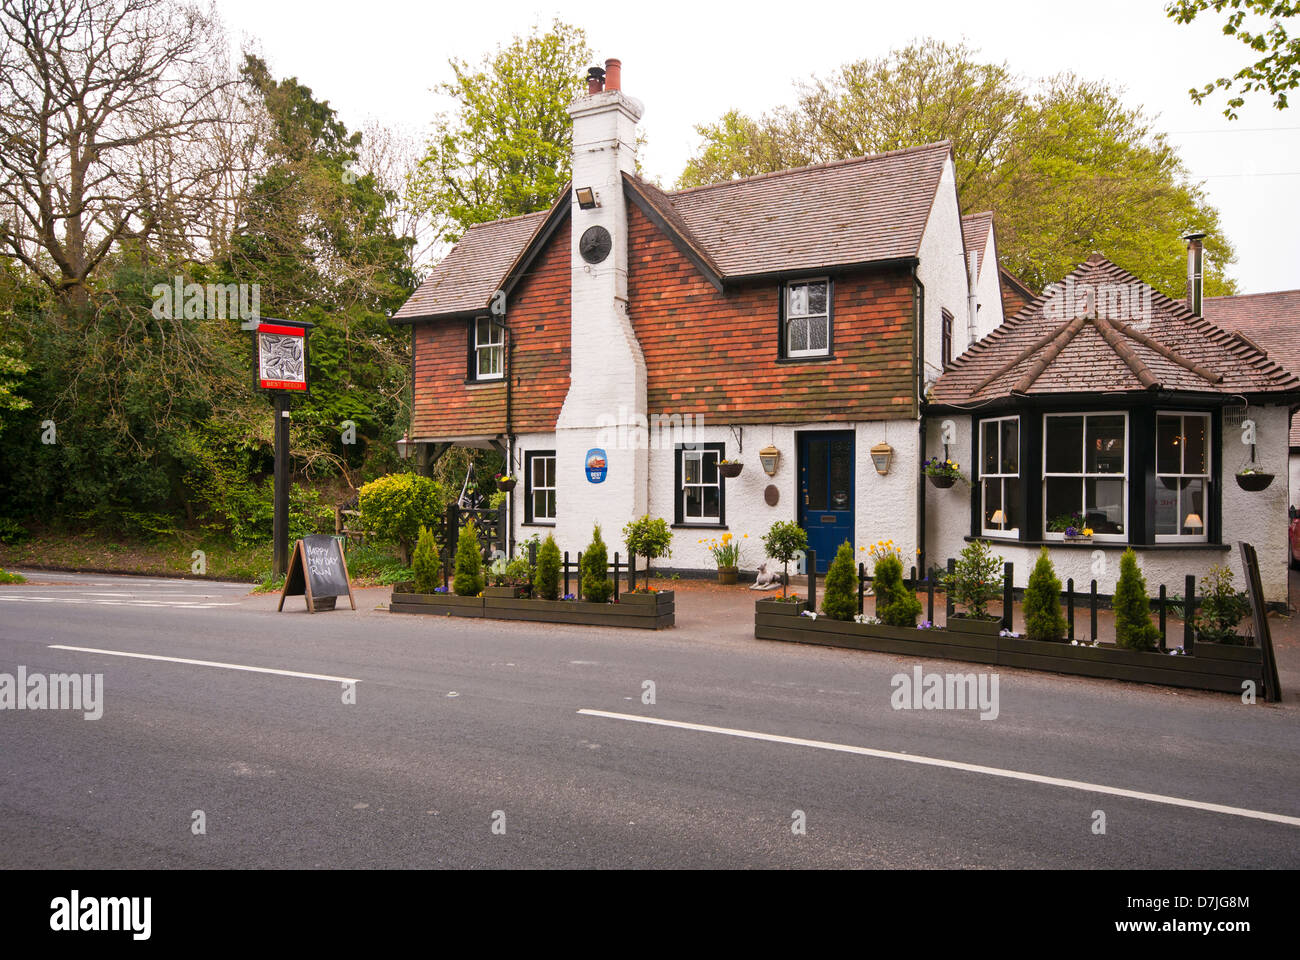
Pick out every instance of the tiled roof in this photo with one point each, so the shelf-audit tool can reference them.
(975, 228)
(847, 212)
(471, 273)
(1271, 320)
(1038, 353)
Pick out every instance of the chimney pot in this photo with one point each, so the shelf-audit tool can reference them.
(595, 80)
(613, 74)
(1195, 271)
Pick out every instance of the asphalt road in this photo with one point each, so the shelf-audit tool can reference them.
(465, 747)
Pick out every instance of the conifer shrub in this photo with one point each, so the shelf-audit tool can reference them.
(1133, 627)
(1043, 617)
(840, 601)
(469, 564)
(896, 605)
(425, 564)
(547, 584)
(597, 587)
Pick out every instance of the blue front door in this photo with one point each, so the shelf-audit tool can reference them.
(826, 492)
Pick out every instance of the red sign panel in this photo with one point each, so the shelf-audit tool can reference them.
(281, 357)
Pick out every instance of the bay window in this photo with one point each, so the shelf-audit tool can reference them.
(1085, 474)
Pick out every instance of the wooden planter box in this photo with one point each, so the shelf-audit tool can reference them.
(509, 593)
(645, 611)
(1213, 666)
(438, 604)
(779, 608)
(727, 575)
(984, 628)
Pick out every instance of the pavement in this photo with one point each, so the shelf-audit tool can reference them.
(368, 739)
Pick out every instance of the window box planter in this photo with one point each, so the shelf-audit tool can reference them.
(438, 604)
(943, 483)
(1078, 539)
(727, 575)
(730, 470)
(1254, 482)
(958, 623)
(1214, 666)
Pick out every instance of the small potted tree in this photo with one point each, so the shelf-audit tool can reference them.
(647, 537)
(782, 542)
(840, 600)
(975, 580)
(469, 564)
(597, 587)
(546, 584)
(1222, 608)
(896, 603)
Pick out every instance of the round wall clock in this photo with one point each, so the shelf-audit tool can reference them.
(595, 244)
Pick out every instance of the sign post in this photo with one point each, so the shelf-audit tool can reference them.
(281, 349)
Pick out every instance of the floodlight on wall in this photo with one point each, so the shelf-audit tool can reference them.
(769, 457)
(998, 518)
(1193, 522)
(586, 197)
(881, 454)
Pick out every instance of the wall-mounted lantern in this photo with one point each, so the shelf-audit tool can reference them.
(404, 447)
(769, 457)
(881, 454)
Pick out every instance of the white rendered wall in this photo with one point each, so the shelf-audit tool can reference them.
(943, 272)
(989, 290)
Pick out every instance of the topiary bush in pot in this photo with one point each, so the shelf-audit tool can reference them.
(425, 563)
(896, 605)
(546, 585)
(1133, 627)
(1043, 617)
(469, 564)
(597, 587)
(840, 601)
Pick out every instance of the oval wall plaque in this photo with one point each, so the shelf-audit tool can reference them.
(771, 495)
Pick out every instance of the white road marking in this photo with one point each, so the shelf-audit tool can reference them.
(207, 663)
(124, 602)
(955, 765)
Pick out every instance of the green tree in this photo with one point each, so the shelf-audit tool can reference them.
(1133, 627)
(469, 563)
(1043, 617)
(397, 506)
(506, 147)
(840, 601)
(976, 578)
(547, 586)
(896, 605)
(1066, 167)
(783, 540)
(1275, 73)
(425, 563)
(648, 537)
(596, 584)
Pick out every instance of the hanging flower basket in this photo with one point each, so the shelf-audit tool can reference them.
(1254, 482)
(506, 484)
(943, 473)
(730, 468)
(942, 482)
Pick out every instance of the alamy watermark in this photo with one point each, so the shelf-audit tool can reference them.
(946, 691)
(57, 691)
(206, 301)
(657, 431)
(1127, 302)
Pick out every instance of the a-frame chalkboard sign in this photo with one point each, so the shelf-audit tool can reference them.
(1259, 613)
(318, 571)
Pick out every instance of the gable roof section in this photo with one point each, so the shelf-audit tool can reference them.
(1270, 320)
(1034, 354)
(975, 229)
(848, 213)
(466, 278)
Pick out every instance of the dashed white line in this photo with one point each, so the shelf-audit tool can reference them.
(955, 765)
(207, 663)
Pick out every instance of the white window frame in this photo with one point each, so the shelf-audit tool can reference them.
(789, 315)
(1205, 478)
(686, 453)
(531, 488)
(1084, 477)
(493, 346)
(1007, 533)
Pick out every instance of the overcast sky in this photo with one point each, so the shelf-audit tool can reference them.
(688, 62)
